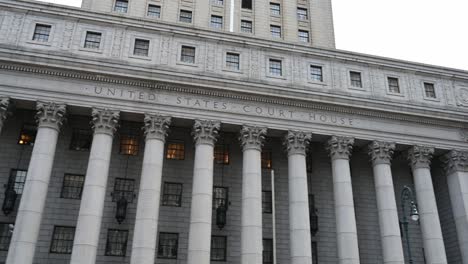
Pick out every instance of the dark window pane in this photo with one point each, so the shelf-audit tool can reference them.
(5, 235)
(141, 47)
(218, 248)
(393, 85)
(172, 194)
(62, 240)
(429, 90)
(168, 244)
(17, 180)
(356, 80)
(81, 139)
(266, 160)
(93, 40)
(72, 186)
(27, 135)
(221, 154)
(247, 4)
(267, 206)
(267, 251)
(42, 32)
(188, 54)
(123, 188)
(116, 242)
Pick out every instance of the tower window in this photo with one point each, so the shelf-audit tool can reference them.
(62, 240)
(303, 36)
(42, 32)
(275, 9)
(185, 16)
(218, 248)
(393, 85)
(154, 11)
(429, 90)
(302, 14)
(275, 31)
(187, 54)
(121, 6)
(141, 47)
(92, 40)
(168, 244)
(246, 26)
(247, 4)
(316, 73)
(116, 242)
(217, 22)
(356, 80)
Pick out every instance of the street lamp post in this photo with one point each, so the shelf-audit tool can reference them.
(407, 196)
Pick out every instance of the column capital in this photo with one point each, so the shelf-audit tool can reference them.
(455, 161)
(205, 131)
(105, 121)
(156, 126)
(340, 147)
(296, 142)
(381, 152)
(50, 114)
(420, 156)
(252, 137)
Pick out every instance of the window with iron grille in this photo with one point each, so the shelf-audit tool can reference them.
(123, 188)
(185, 16)
(221, 154)
(129, 139)
(275, 9)
(233, 61)
(17, 180)
(168, 244)
(188, 54)
(218, 248)
(220, 197)
(266, 159)
(356, 80)
(121, 6)
(217, 2)
(72, 186)
(81, 139)
(316, 73)
(154, 11)
(302, 14)
(62, 240)
(393, 85)
(141, 47)
(42, 33)
(5, 236)
(275, 31)
(175, 150)
(92, 40)
(27, 135)
(216, 21)
(429, 90)
(116, 242)
(267, 205)
(303, 36)
(314, 253)
(246, 26)
(172, 194)
(267, 251)
(247, 4)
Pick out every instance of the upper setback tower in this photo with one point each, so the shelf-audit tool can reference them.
(309, 22)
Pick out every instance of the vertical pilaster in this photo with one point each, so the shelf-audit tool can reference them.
(147, 215)
(321, 22)
(346, 231)
(289, 11)
(261, 9)
(420, 161)
(88, 227)
(205, 133)
(381, 154)
(28, 221)
(252, 139)
(4, 103)
(299, 221)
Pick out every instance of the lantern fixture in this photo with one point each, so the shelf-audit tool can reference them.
(9, 201)
(121, 211)
(221, 216)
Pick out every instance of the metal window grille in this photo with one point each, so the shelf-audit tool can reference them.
(218, 248)
(316, 73)
(62, 240)
(314, 253)
(175, 151)
(247, 4)
(81, 139)
(172, 194)
(188, 54)
(5, 236)
(266, 160)
(302, 14)
(121, 6)
(429, 89)
(168, 244)
(275, 31)
(72, 187)
(17, 180)
(303, 36)
(129, 144)
(267, 251)
(42, 33)
(356, 79)
(221, 154)
(27, 135)
(92, 40)
(185, 16)
(275, 9)
(216, 22)
(267, 205)
(220, 197)
(154, 11)
(141, 47)
(217, 2)
(393, 85)
(123, 188)
(246, 26)
(116, 242)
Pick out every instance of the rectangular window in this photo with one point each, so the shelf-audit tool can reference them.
(42, 33)
(302, 14)
(116, 242)
(154, 11)
(168, 244)
(188, 54)
(220, 197)
(247, 4)
(121, 6)
(267, 251)
(175, 150)
(275, 9)
(393, 85)
(266, 160)
(81, 139)
(246, 26)
(314, 253)
(267, 205)
(275, 31)
(218, 248)
(233, 61)
(172, 194)
(185, 16)
(123, 188)
(316, 73)
(72, 186)
(141, 47)
(429, 90)
(5, 235)
(356, 80)
(92, 40)
(129, 144)
(275, 68)
(303, 36)
(217, 2)
(62, 240)
(27, 135)
(217, 22)
(221, 154)
(17, 180)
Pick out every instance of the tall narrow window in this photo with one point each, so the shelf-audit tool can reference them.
(175, 150)
(247, 4)
(62, 240)
(246, 26)
(393, 85)
(356, 80)
(314, 253)
(275, 31)
(81, 139)
(275, 9)
(218, 248)
(429, 90)
(233, 61)
(217, 22)
(185, 16)
(17, 180)
(220, 197)
(188, 54)
(116, 242)
(267, 205)
(92, 40)
(72, 186)
(302, 14)
(129, 139)
(266, 160)
(303, 36)
(5, 235)
(121, 6)
(172, 194)
(267, 251)
(141, 47)
(316, 73)
(41, 33)
(168, 244)
(27, 135)
(123, 188)
(154, 11)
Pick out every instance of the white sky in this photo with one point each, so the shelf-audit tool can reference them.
(427, 31)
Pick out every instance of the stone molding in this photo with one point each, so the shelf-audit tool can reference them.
(252, 137)
(420, 157)
(455, 161)
(156, 126)
(105, 121)
(296, 142)
(381, 152)
(50, 114)
(4, 104)
(206, 131)
(340, 147)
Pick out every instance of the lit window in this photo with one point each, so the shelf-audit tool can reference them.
(314, 253)
(218, 248)
(5, 235)
(123, 188)
(81, 139)
(72, 186)
(221, 154)
(42, 33)
(429, 90)
(267, 251)
(141, 47)
(316, 73)
(216, 22)
(17, 180)
(217, 2)
(275, 31)
(188, 54)
(246, 26)
(247, 4)
(62, 240)
(116, 242)
(168, 244)
(302, 14)
(121, 6)
(393, 85)
(172, 194)
(154, 11)
(303, 36)
(275, 68)
(92, 40)
(185, 16)
(175, 150)
(267, 205)
(266, 160)
(275, 9)
(233, 61)
(356, 80)
(27, 135)
(220, 197)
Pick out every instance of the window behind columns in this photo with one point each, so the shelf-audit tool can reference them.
(172, 194)
(218, 248)
(314, 253)
(267, 251)
(220, 197)
(175, 150)
(221, 154)
(72, 186)
(168, 245)
(5, 235)
(62, 240)
(267, 162)
(130, 139)
(267, 205)
(17, 180)
(124, 188)
(27, 135)
(116, 242)
(81, 139)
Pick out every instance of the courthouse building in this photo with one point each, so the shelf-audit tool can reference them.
(149, 131)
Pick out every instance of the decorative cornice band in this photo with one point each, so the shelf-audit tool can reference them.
(381, 152)
(420, 157)
(156, 126)
(50, 114)
(105, 121)
(296, 142)
(455, 161)
(206, 131)
(252, 137)
(340, 147)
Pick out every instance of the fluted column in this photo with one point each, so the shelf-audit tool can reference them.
(347, 241)
(88, 227)
(4, 103)
(28, 221)
(146, 223)
(205, 133)
(299, 221)
(420, 161)
(456, 166)
(252, 139)
(381, 155)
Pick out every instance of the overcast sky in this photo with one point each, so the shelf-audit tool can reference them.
(427, 31)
